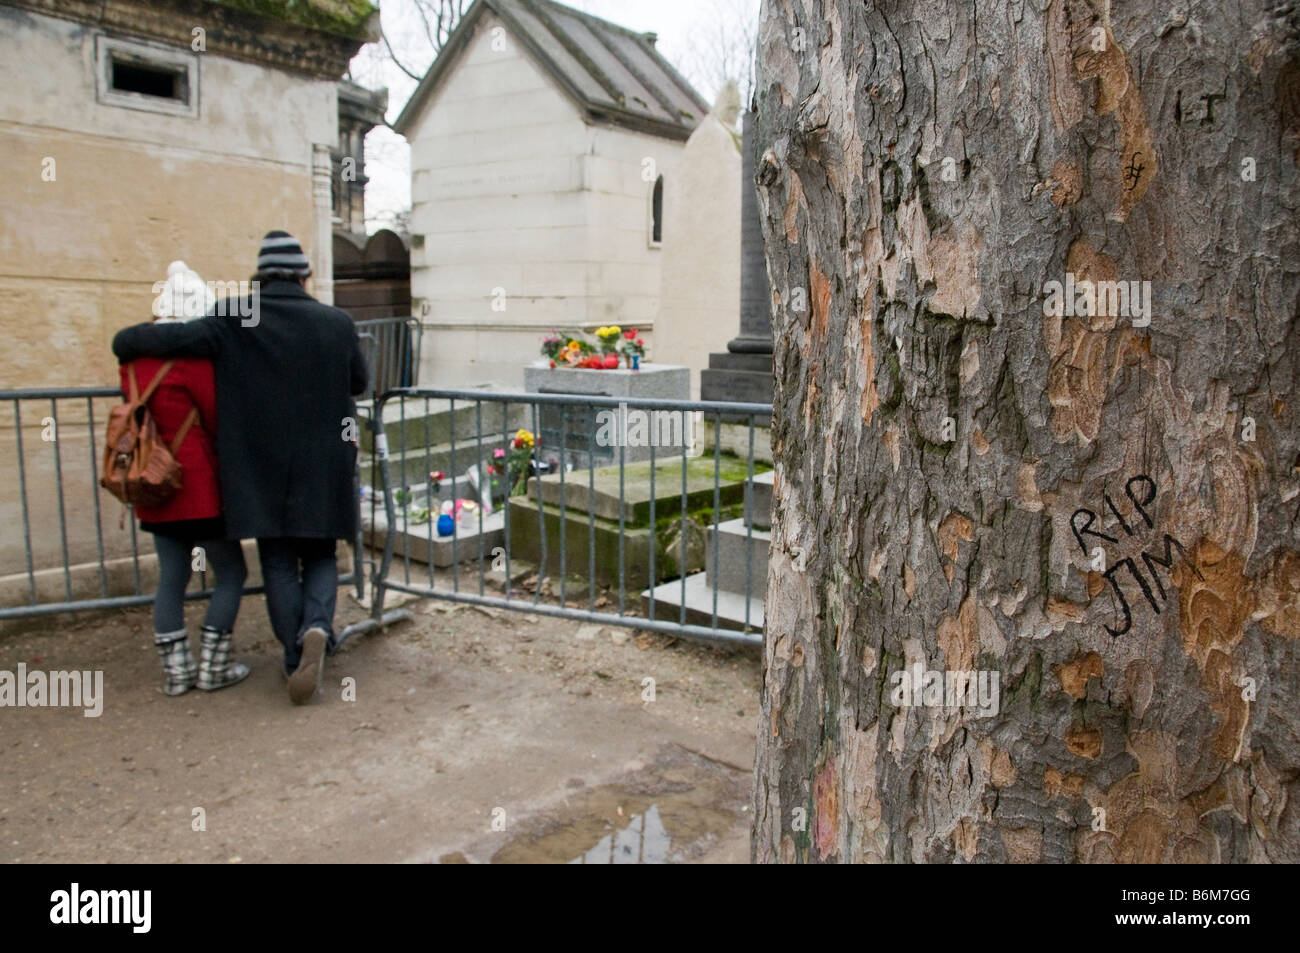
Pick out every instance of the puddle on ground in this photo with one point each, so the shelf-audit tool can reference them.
(672, 811)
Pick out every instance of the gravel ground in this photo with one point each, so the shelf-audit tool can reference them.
(463, 736)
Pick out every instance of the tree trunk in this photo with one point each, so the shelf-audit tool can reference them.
(1090, 497)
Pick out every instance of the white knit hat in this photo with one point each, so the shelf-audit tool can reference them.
(184, 296)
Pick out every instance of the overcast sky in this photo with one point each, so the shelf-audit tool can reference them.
(690, 31)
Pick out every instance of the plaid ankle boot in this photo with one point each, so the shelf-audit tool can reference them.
(179, 668)
(215, 668)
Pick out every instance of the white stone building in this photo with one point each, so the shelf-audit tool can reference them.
(542, 143)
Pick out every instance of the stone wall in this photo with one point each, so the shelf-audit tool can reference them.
(133, 190)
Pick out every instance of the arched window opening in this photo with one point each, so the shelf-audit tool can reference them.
(657, 212)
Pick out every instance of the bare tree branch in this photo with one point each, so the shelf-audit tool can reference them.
(393, 56)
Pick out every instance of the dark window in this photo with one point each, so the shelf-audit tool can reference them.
(657, 212)
(130, 76)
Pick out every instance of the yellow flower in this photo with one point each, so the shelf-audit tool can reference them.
(524, 437)
(614, 329)
(574, 346)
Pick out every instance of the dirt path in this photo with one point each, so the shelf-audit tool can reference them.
(462, 723)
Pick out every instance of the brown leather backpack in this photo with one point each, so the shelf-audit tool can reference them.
(138, 467)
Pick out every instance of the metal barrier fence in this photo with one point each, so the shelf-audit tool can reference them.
(392, 348)
(80, 548)
(603, 510)
(94, 560)
(597, 495)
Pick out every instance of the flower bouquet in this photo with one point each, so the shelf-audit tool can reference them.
(612, 346)
(510, 467)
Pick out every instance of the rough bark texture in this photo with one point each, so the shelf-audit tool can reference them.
(1103, 140)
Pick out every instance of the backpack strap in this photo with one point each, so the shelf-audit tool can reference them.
(153, 384)
(190, 420)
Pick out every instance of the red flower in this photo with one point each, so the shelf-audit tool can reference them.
(552, 365)
(640, 343)
(630, 334)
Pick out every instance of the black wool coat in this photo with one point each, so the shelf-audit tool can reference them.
(285, 378)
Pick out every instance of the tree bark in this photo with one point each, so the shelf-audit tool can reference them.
(1109, 518)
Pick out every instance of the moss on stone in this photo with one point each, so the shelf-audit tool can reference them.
(342, 17)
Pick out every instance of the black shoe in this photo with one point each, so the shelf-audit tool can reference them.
(305, 682)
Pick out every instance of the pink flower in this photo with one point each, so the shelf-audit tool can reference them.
(498, 453)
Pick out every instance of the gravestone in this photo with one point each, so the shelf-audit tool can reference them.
(593, 435)
(744, 372)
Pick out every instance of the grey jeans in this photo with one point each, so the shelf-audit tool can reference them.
(302, 584)
(175, 566)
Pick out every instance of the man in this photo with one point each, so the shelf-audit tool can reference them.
(286, 369)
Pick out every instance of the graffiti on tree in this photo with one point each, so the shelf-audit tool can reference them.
(1141, 491)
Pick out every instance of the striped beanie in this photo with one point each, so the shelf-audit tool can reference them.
(281, 257)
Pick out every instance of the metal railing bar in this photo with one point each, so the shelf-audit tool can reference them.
(478, 468)
(455, 518)
(591, 520)
(22, 492)
(717, 506)
(53, 393)
(505, 506)
(681, 566)
(392, 527)
(428, 497)
(729, 636)
(58, 482)
(94, 493)
(564, 519)
(541, 511)
(646, 403)
(622, 519)
(749, 524)
(121, 602)
(654, 535)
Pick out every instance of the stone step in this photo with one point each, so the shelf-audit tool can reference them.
(416, 423)
(528, 530)
(666, 600)
(421, 461)
(448, 489)
(421, 542)
(734, 541)
(758, 501)
(634, 494)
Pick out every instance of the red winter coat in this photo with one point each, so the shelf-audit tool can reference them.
(190, 383)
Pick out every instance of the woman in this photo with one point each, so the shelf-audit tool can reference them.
(187, 529)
